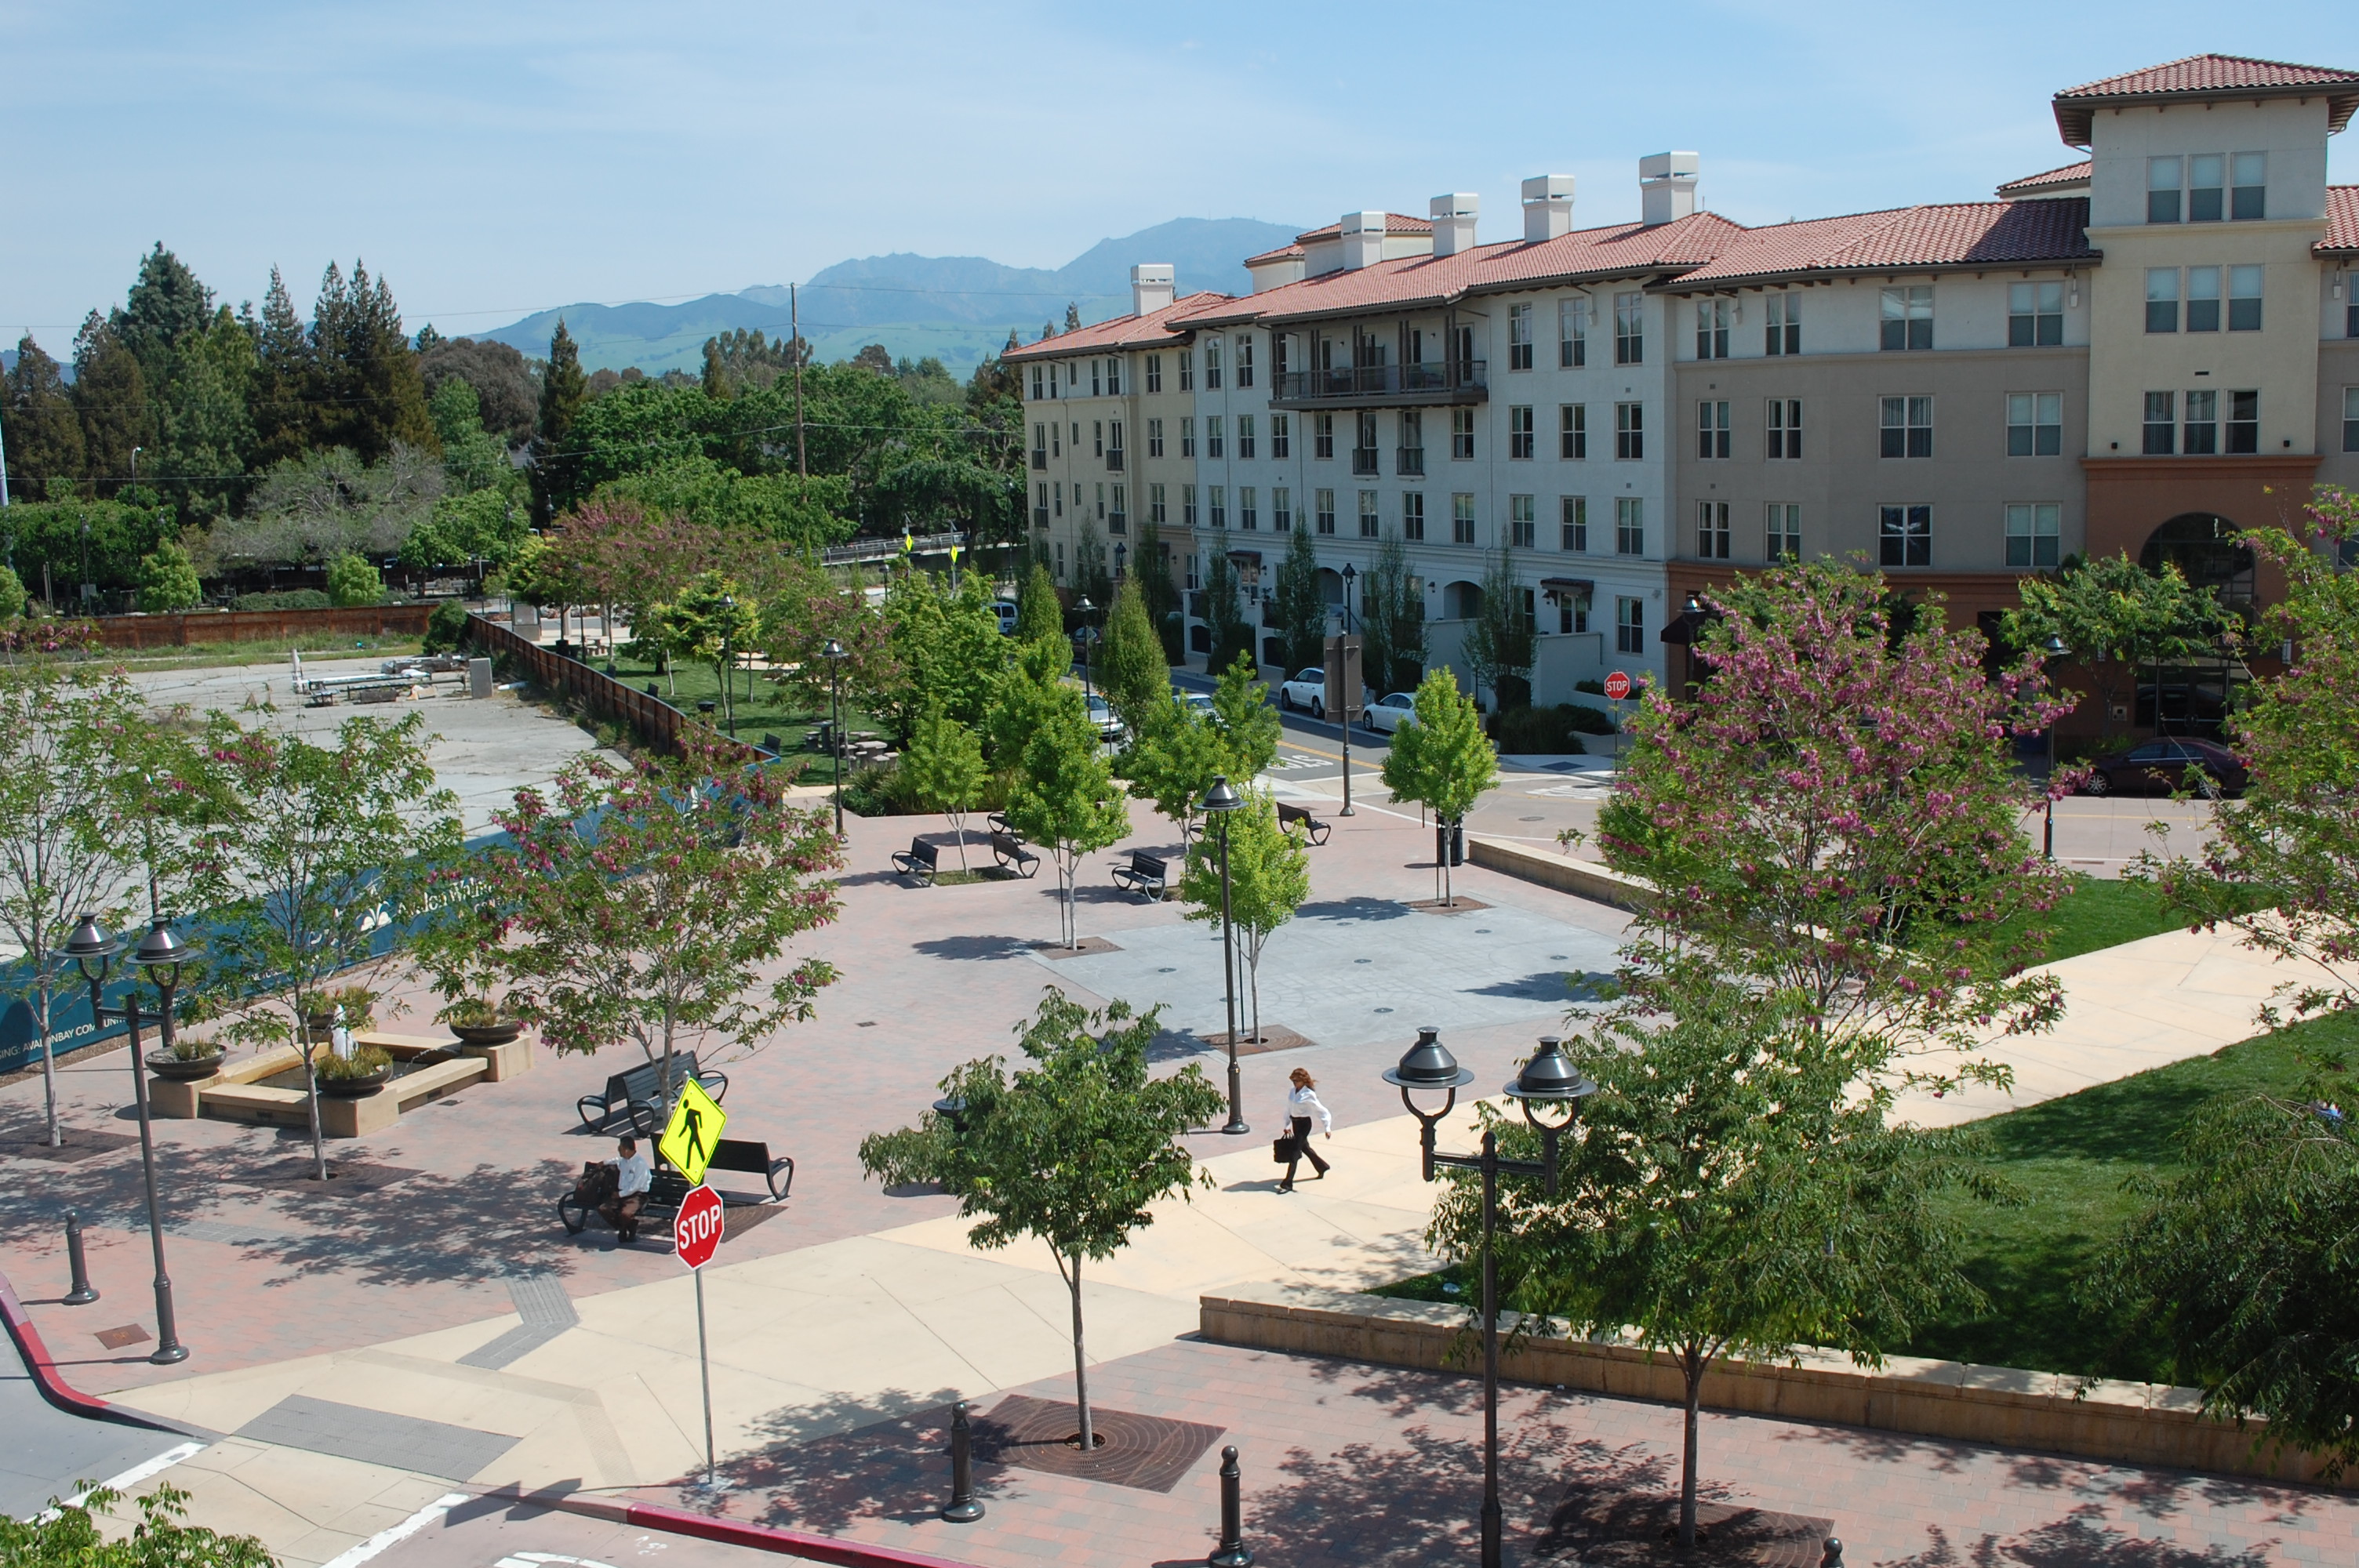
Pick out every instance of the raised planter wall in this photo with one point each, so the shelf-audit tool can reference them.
(178, 629)
(657, 723)
(1583, 879)
(2136, 1423)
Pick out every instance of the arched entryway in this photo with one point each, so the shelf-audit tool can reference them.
(1461, 600)
(2195, 697)
(2204, 548)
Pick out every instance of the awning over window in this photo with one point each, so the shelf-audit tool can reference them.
(1568, 588)
(1248, 557)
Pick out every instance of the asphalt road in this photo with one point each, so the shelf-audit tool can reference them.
(47, 1453)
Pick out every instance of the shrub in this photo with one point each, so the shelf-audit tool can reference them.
(472, 1012)
(353, 582)
(364, 1060)
(12, 595)
(1593, 685)
(1548, 730)
(291, 599)
(446, 629)
(168, 580)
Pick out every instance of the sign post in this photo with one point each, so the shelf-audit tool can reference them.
(1343, 697)
(695, 1235)
(1618, 687)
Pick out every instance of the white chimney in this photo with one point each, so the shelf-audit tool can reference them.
(1666, 186)
(1363, 239)
(1453, 222)
(1153, 285)
(1548, 206)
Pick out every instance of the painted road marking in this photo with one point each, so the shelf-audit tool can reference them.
(353, 1556)
(129, 1478)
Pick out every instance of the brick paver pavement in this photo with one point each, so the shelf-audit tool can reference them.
(1380, 1467)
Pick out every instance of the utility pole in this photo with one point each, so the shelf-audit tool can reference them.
(795, 333)
(4, 477)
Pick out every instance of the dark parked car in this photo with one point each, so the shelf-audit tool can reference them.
(2169, 763)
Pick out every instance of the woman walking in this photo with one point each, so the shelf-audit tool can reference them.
(1300, 1101)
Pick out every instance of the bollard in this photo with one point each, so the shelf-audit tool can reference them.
(1832, 1557)
(1232, 1553)
(81, 1294)
(964, 1507)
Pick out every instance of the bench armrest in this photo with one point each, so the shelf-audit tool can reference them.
(783, 1165)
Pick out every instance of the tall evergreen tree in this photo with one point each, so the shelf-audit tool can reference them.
(165, 305)
(1162, 596)
(1301, 612)
(281, 399)
(1392, 614)
(110, 397)
(556, 473)
(370, 394)
(44, 434)
(205, 431)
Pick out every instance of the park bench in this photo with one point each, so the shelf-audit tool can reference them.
(639, 1095)
(753, 1157)
(1288, 815)
(1012, 856)
(917, 862)
(1146, 874)
(667, 1189)
(999, 824)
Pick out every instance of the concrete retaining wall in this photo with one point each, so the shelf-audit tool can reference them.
(1583, 879)
(2136, 1423)
(177, 631)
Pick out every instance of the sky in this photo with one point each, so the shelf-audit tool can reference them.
(493, 159)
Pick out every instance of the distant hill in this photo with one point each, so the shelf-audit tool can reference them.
(956, 309)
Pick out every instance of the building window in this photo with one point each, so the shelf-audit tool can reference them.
(1097, 437)
(1905, 536)
(1216, 502)
(1186, 371)
(1363, 452)
(2160, 422)
(1097, 384)
(2351, 418)
(2202, 298)
(1462, 435)
(2244, 299)
(1909, 317)
(1370, 522)
(1248, 516)
(1060, 561)
(1712, 329)
(1281, 437)
(1057, 499)
(1322, 434)
(1040, 508)
(1155, 509)
(1629, 329)
(2162, 181)
(1114, 443)
(1519, 430)
(1461, 518)
(1571, 613)
(2206, 192)
(1155, 438)
(1630, 525)
(1572, 333)
(1630, 430)
(1629, 624)
(1711, 530)
(1244, 362)
(1036, 384)
(1784, 529)
(1118, 520)
(1519, 337)
(1212, 364)
(2162, 299)
(2243, 422)
(1784, 427)
(1711, 429)
(1056, 439)
(1215, 445)
(1783, 335)
(1101, 506)
(1244, 431)
(2035, 315)
(1187, 506)
(1573, 431)
(1573, 521)
(1413, 516)
(1113, 378)
(2031, 533)
(1323, 508)
(1187, 435)
(1281, 508)
(1155, 373)
(2035, 424)
(2249, 192)
(1907, 426)
(1522, 522)
(2199, 437)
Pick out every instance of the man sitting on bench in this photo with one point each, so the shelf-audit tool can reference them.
(633, 1176)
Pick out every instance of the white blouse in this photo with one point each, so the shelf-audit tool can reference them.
(1300, 1102)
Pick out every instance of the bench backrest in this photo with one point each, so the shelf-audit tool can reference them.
(1288, 812)
(1006, 844)
(921, 850)
(1146, 864)
(645, 1082)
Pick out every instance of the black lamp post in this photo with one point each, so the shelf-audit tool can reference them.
(1085, 610)
(1548, 1078)
(1344, 682)
(835, 655)
(728, 664)
(1218, 802)
(159, 956)
(2052, 650)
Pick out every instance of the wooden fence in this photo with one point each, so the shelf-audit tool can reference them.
(179, 630)
(657, 724)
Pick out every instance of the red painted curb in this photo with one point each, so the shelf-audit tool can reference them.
(791, 1542)
(54, 1388)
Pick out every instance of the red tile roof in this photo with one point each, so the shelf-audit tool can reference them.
(1395, 223)
(1278, 255)
(2342, 219)
(2202, 76)
(1153, 329)
(1970, 234)
(2071, 174)
(1412, 282)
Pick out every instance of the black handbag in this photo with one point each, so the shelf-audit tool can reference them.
(1285, 1151)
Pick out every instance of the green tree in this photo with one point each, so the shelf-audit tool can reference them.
(165, 305)
(316, 849)
(711, 621)
(1249, 726)
(1392, 617)
(1301, 610)
(943, 771)
(1727, 1194)
(1092, 579)
(1131, 669)
(282, 399)
(488, 527)
(1441, 758)
(1061, 795)
(1501, 644)
(558, 468)
(168, 580)
(66, 1535)
(1071, 1150)
(352, 581)
(1152, 566)
(472, 457)
(204, 425)
(1229, 633)
(110, 397)
(1174, 758)
(44, 434)
(2114, 617)
(1038, 614)
(1269, 878)
(367, 393)
(946, 647)
(12, 598)
(446, 628)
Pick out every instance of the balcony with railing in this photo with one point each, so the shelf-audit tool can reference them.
(1114, 459)
(1041, 459)
(1363, 461)
(1409, 460)
(1439, 382)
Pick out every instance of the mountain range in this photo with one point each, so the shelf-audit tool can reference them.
(959, 309)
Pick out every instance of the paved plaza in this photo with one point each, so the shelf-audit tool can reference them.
(425, 1328)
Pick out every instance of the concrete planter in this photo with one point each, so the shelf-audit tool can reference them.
(174, 1070)
(355, 1088)
(499, 1033)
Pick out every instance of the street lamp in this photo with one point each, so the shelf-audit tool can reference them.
(835, 655)
(1085, 610)
(1549, 1078)
(1344, 682)
(1218, 802)
(2050, 651)
(728, 619)
(159, 956)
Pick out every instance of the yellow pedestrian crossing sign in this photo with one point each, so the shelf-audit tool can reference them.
(690, 1141)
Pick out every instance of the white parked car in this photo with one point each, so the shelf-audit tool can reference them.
(1110, 729)
(1389, 712)
(1195, 704)
(1307, 690)
(1006, 610)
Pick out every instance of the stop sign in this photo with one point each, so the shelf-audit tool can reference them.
(696, 1231)
(1617, 685)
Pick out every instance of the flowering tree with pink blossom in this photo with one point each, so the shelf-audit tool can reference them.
(649, 904)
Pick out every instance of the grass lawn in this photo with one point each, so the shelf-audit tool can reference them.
(767, 712)
(2072, 1160)
(219, 655)
(2099, 913)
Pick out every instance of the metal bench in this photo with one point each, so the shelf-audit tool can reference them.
(753, 1157)
(639, 1095)
(1147, 875)
(1012, 856)
(999, 824)
(917, 862)
(1288, 815)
